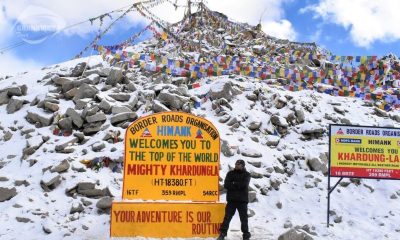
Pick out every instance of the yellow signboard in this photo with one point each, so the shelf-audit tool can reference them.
(171, 156)
(365, 152)
(159, 220)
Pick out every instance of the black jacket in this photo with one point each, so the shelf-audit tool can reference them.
(237, 184)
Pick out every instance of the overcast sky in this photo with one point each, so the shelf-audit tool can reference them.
(356, 27)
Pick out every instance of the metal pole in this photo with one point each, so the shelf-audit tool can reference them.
(329, 200)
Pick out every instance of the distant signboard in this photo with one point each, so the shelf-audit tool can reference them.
(161, 220)
(171, 156)
(364, 152)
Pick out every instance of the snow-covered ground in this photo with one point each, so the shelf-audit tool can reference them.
(288, 194)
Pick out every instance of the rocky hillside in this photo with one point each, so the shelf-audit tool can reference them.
(62, 134)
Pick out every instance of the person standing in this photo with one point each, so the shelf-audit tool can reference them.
(237, 185)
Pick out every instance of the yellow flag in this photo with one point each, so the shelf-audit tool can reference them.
(164, 36)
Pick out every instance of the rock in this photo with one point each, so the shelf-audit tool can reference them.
(256, 164)
(85, 91)
(280, 102)
(287, 224)
(18, 183)
(50, 181)
(16, 90)
(7, 136)
(299, 114)
(226, 149)
(91, 129)
(105, 105)
(46, 229)
(254, 125)
(312, 129)
(119, 109)
(78, 69)
(272, 140)
(4, 98)
(254, 174)
(65, 123)
(121, 117)
(71, 93)
(252, 97)
(279, 121)
(247, 152)
(43, 118)
(232, 121)
(98, 117)
(227, 90)
(76, 118)
(380, 112)
(337, 219)
(102, 72)
(294, 234)
(62, 146)
(22, 219)
(122, 97)
(252, 196)
(14, 104)
(224, 119)
(159, 107)
(339, 109)
(104, 203)
(51, 106)
(316, 164)
(61, 81)
(7, 193)
(76, 208)
(85, 186)
(98, 146)
(115, 76)
(62, 167)
(172, 100)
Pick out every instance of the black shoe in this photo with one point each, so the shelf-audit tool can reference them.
(246, 236)
(221, 236)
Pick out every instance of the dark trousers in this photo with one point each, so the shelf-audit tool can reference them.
(230, 210)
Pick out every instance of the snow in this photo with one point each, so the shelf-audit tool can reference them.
(365, 214)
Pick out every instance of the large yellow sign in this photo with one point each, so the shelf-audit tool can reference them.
(171, 156)
(365, 152)
(161, 220)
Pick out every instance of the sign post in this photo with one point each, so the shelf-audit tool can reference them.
(170, 156)
(362, 152)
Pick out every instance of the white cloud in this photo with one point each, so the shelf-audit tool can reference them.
(368, 21)
(10, 64)
(280, 29)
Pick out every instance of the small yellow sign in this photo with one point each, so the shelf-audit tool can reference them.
(171, 156)
(159, 220)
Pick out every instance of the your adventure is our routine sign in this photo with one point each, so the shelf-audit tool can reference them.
(166, 219)
(171, 156)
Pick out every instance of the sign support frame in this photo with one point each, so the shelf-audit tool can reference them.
(330, 190)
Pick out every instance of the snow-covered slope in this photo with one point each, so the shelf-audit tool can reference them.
(45, 173)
